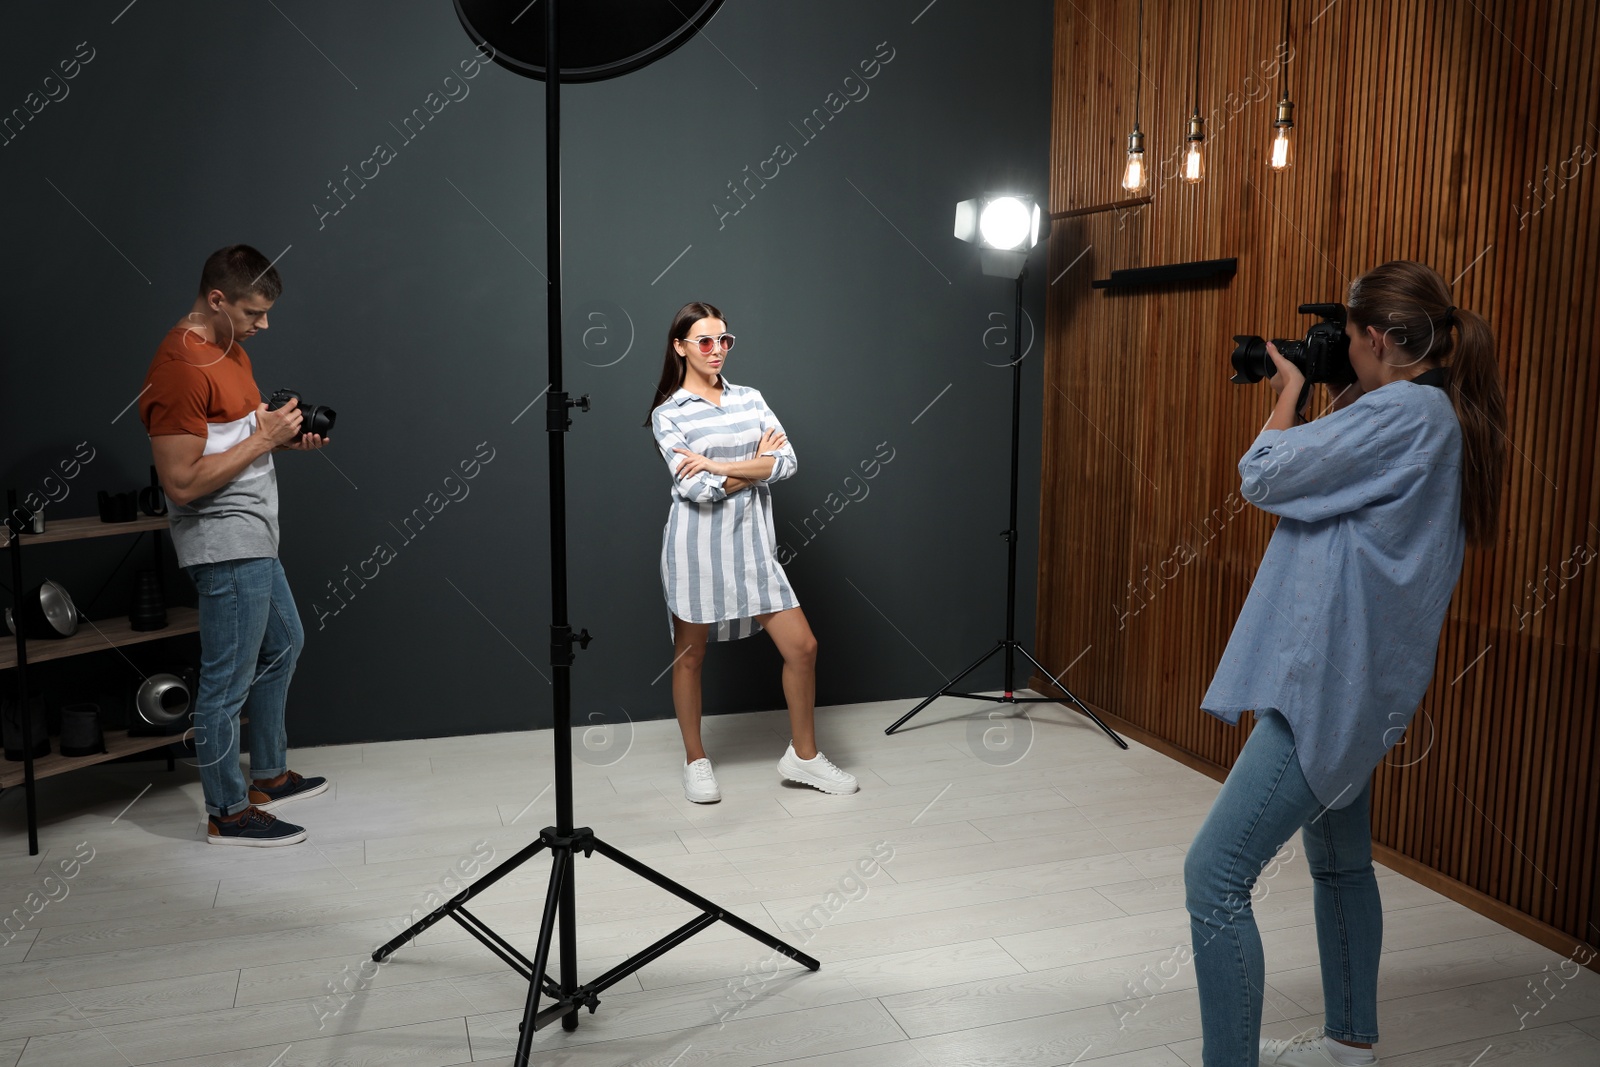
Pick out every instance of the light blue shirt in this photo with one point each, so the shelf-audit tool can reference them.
(1340, 630)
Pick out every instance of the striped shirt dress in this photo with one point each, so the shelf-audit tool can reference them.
(719, 562)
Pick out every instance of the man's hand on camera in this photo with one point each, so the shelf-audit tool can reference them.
(305, 443)
(281, 425)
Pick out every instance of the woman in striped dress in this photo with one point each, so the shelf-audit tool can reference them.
(719, 567)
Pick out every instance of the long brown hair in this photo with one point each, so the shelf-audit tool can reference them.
(672, 367)
(1410, 304)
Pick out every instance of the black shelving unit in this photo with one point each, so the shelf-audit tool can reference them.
(96, 636)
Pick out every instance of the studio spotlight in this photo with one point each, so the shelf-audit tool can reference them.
(1005, 227)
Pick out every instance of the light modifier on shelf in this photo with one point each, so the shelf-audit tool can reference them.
(1004, 226)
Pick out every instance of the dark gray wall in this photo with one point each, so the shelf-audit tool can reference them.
(418, 311)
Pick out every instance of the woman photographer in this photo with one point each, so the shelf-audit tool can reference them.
(1335, 645)
(719, 568)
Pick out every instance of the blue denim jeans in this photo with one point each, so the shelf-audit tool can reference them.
(250, 639)
(1264, 800)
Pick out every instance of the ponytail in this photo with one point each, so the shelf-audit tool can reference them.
(1480, 405)
(1410, 303)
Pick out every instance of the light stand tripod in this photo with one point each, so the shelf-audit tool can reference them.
(563, 840)
(1009, 644)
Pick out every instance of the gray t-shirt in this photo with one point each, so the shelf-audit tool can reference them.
(238, 521)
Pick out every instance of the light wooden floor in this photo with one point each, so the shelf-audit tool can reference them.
(1026, 910)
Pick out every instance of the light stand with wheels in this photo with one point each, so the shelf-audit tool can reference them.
(1006, 229)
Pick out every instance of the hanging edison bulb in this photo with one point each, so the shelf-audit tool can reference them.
(1194, 167)
(1133, 172)
(1133, 175)
(1282, 153)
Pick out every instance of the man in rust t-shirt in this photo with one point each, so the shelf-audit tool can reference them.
(213, 440)
(196, 389)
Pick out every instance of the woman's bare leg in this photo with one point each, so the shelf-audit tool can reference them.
(689, 650)
(792, 635)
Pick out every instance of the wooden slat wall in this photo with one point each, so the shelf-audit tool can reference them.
(1423, 131)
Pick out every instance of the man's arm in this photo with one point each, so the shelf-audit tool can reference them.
(187, 473)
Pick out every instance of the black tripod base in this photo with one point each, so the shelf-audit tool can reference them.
(1007, 645)
(566, 997)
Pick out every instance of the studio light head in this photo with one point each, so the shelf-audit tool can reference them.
(1004, 226)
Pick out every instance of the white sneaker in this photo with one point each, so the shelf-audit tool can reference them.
(700, 783)
(1311, 1049)
(818, 772)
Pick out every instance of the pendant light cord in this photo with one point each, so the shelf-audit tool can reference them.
(1283, 58)
(1138, 85)
(1199, 15)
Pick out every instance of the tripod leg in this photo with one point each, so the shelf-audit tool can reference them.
(942, 690)
(568, 919)
(685, 893)
(541, 955)
(1070, 696)
(458, 900)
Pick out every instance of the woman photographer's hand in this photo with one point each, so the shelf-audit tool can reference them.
(1288, 374)
(1288, 383)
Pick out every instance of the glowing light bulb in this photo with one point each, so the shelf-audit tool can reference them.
(1281, 155)
(1133, 175)
(1194, 167)
(1005, 222)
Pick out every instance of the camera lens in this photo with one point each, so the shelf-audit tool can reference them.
(317, 419)
(1251, 363)
(1250, 360)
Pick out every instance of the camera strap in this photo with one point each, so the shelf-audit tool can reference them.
(1437, 376)
(1303, 401)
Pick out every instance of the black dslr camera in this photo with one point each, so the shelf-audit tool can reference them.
(1324, 356)
(319, 419)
